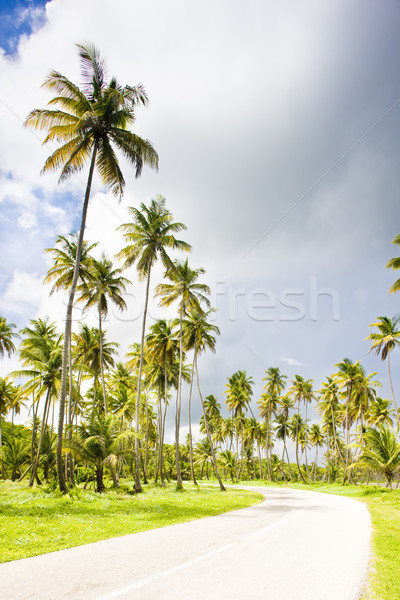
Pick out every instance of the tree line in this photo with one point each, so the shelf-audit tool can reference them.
(112, 414)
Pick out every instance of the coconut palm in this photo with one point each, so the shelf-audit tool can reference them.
(381, 453)
(198, 335)
(239, 392)
(394, 263)
(149, 237)
(42, 355)
(348, 376)
(88, 122)
(328, 407)
(7, 345)
(162, 347)
(7, 397)
(93, 353)
(98, 443)
(301, 391)
(102, 285)
(64, 256)
(383, 342)
(184, 289)
(316, 438)
(380, 413)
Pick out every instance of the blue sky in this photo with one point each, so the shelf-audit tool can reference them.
(18, 17)
(277, 128)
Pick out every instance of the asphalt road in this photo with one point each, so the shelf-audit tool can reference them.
(296, 545)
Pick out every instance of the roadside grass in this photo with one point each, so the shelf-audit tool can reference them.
(384, 508)
(39, 520)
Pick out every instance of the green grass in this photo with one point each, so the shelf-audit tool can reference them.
(384, 508)
(34, 521)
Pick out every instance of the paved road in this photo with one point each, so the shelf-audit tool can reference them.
(296, 545)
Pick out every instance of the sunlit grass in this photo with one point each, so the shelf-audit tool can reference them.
(34, 521)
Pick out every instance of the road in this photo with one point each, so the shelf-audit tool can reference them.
(296, 545)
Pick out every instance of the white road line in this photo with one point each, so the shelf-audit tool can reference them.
(194, 561)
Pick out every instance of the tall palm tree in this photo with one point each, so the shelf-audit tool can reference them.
(239, 392)
(383, 342)
(103, 284)
(184, 289)
(88, 122)
(328, 407)
(348, 377)
(42, 355)
(317, 440)
(198, 336)
(149, 236)
(301, 391)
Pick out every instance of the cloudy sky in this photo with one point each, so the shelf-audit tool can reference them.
(277, 127)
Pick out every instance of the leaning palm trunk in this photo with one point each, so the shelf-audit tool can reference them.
(68, 326)
(347, 435)
(221, 485)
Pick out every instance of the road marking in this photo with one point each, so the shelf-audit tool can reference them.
(193, 561)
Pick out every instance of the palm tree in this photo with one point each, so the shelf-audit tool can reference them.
(228, 461)
(103, 284)
(42, 354)
(384, 342)
(92, 353)
(381, 453)
(316, 439)
(379, 413)
(328, 406)
(301, 391)
(97, 443)
(190, 294)
(64, 256)
(348, 376)
(239, 392)
(162, 347)
(7, 397)
(198, 336)
(149, 235)
(394, 263)
(88, 123)
(7, 345)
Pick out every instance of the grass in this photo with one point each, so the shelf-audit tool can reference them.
(36, 521)
(384, 508)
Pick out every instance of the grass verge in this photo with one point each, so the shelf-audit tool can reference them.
(35, 521)
(384, 508)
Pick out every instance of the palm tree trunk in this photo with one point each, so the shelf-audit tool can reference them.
(103, 384)
(68, 327)
(297, 442)
(391, 389)
(35, 463)
(190, 427)
(221, 485)
(138, 485)
(179, 484)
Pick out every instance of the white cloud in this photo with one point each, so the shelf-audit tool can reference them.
(292, 361)
(23, 294)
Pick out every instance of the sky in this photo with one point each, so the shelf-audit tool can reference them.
(277, 128)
